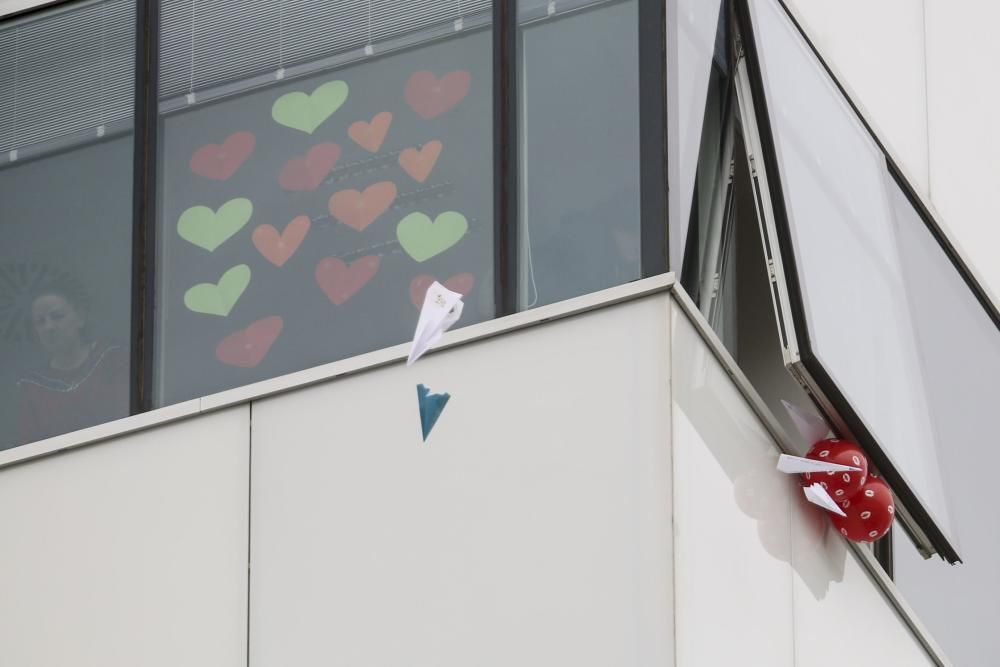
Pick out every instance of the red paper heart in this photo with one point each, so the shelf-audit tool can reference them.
(219, 162)
(360, 209)
(307, 172)
(248, 347)
(278, 248)
(419, 163)
(461, 283)
(371, 135)
(430, 96)
(340, 282)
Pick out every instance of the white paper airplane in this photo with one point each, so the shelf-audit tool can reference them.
(798, 465)
(812, 427)
(817, 495)
(441, 309)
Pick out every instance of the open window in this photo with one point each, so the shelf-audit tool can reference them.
(872, 318)
(877, 317)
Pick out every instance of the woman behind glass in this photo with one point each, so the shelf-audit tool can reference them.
(86, 380)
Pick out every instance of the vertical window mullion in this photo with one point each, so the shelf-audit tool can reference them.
(653, 135)
(505, 159)
(144, 204)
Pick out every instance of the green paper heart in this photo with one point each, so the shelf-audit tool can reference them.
(219, 299)
(304, 112)
(209, 229)
(422, 239)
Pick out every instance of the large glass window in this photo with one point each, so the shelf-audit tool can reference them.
(66, 88)
(579, 148)
(306, 169)
(311, 191)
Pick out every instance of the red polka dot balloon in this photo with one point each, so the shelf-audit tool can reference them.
(840, 485)
(869, 513)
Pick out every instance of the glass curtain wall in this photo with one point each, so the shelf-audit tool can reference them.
(66, 91)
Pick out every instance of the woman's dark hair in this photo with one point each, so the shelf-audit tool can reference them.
(65, 287)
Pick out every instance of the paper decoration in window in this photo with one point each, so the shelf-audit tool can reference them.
(431, 406)
(219, 298)
(441, 309)
(430, 96)
(307, 111)
(305, 173)
(276, 247)
(461, 283)
(422, 239)
(209, 229)
(220, 161)
(360, 209)
(248, 347)
(419, 163)
(370, 135)
(340, 281)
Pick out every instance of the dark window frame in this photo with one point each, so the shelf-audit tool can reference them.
(652, 36)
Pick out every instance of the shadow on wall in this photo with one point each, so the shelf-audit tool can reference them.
(747, 454)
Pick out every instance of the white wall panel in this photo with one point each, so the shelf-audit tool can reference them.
(841, 616)
(130, 552)
(531, 529)
(963, 99)
(731, 514)
(878, 48)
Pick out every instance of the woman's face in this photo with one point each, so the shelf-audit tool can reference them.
(57, 323)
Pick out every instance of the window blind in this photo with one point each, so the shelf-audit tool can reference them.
(66, 72)
(205, 44)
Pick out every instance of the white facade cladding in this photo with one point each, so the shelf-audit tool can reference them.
(599, 490)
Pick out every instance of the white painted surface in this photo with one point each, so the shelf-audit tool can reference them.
(841, 617)
(733, 583)
(761, 577)
(962, 103)
(14, 6)
(878, 48)
(131, 552)
(531, 529)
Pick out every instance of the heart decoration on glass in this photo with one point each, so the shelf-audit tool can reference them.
(419, 163)
(220, 161)
(430, 96)
(340, 281)
(305, 173)
(360, 209)
(370, 135)
(248, 347)
(276, 247)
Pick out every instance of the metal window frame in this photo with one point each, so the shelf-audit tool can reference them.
(917, 519)
(652, 35)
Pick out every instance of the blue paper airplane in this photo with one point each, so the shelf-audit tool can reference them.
(431, 406)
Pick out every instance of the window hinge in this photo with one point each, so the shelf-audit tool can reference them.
(771, 272)
(753, 165)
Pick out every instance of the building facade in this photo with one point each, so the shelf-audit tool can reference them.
(678, 231)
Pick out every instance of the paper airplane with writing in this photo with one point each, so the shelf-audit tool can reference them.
(441, 309)
(817, 495)
(797, 465)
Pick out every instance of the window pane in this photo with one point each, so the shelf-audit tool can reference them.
(66, 91)
(579, 149)
(304, 211)
(864, 258)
